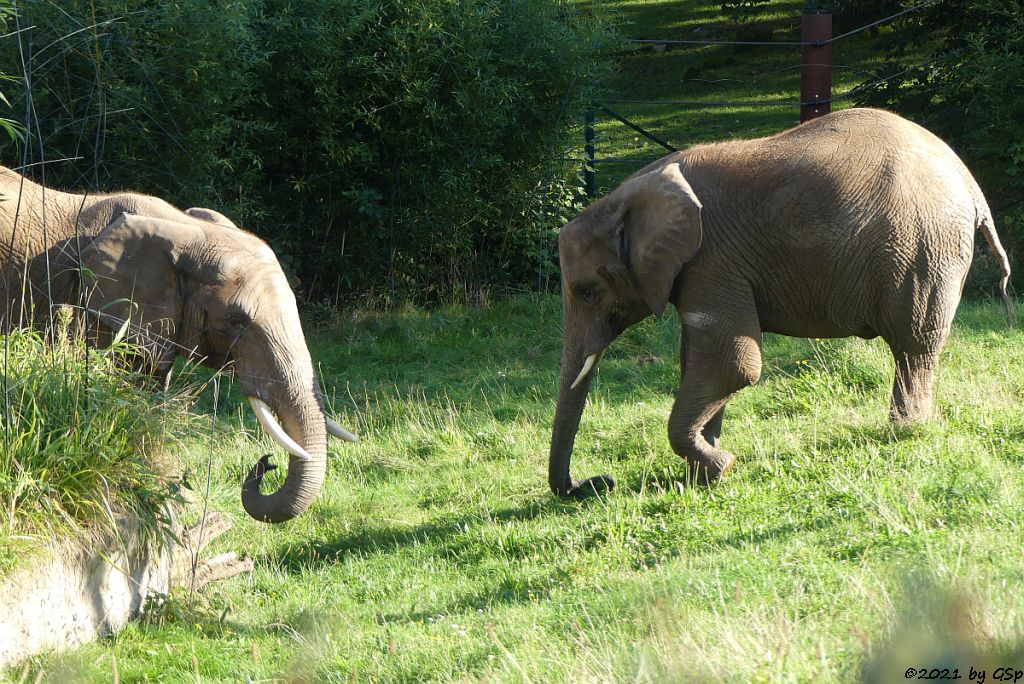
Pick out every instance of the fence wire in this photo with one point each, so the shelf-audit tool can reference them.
(761, 104)
(589, 159)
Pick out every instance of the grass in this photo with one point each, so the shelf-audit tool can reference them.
(436, 552)
(83, 444)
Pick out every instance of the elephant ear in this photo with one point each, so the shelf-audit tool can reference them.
(662, 230)
(210, 215)
(132, 282)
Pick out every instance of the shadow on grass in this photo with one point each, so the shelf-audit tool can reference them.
(384, 539)
(510, 590)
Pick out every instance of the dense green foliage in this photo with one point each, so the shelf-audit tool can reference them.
(967, 91)
(380, 145)
(81, 442)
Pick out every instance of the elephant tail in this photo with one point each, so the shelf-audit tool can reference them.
(988, 229)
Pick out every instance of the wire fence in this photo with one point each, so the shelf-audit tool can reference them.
(590, 160)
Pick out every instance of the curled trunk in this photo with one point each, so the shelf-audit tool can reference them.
(306, 425)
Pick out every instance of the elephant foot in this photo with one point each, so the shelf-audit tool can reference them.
(711, 470)
(593, 486)
(908, 418)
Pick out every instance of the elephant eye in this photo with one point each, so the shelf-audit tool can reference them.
(238, 320)
(586, 292)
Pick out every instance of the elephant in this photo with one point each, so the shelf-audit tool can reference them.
(181, 283)
(857, 223)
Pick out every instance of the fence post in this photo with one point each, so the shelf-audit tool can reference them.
(589, 182)
(816, 64)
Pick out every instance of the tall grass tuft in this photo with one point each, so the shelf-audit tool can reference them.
(82, 441)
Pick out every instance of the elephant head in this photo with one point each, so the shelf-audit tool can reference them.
(203, 288)
(619, 259)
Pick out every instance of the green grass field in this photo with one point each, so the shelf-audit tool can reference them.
(837, 548)
(436, 552)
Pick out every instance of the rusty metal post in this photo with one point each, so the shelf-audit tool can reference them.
(816, 64)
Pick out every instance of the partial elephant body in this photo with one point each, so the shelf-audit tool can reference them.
(830, 223)
(26, 248)
(859, 223)
(182, 283)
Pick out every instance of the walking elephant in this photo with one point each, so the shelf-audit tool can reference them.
(856, 223)
(185, 283)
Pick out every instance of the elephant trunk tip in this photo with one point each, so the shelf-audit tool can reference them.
(306, 468)
(277, 507)
(252, 484)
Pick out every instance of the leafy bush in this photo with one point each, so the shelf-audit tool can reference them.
(82, 441)
(115, 97)
(379, 145)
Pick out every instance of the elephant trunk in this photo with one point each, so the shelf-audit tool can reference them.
(572, 396)
(304, 422)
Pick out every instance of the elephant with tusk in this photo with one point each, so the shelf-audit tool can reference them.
(859, 223)
(177, 282)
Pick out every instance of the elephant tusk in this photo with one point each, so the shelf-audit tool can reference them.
(588, 365)
(274, 429)
(339, 431)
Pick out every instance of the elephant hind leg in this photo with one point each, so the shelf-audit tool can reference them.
(914, 383)
(916, 321)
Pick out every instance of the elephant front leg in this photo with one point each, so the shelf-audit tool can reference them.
(690, 438)
(713, 369)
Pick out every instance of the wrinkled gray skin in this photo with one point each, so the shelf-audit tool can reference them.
(201, 287)
(859, 223)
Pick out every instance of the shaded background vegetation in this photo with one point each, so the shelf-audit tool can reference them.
(423, 150)
(381, 146)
